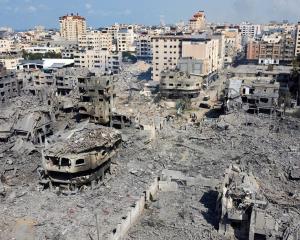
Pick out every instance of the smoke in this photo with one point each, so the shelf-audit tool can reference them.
(258, 10)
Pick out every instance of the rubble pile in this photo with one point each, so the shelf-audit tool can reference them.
(80, 156)
(200, 150)
(264, 146)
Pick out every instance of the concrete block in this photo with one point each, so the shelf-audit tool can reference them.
(167, 186)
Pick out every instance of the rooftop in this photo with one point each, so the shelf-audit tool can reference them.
(260, 68)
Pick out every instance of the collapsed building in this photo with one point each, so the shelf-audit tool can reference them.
(7, 120)
(175, 84)
(80, 156)
(96, 98)
(35, 125)
(252, 95)
(66, 79)
(183, 82)
(244, 211)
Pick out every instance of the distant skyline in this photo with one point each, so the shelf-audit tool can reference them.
(24, 14)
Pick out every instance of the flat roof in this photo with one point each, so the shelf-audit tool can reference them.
(260, 68)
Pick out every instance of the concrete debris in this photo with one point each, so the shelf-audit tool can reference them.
(52, 133)
(81, 155)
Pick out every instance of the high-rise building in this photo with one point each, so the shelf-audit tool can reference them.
(198, 22)
(71, 27)
(168, 50)
(125, 39)
(297, 45)
(249, 31)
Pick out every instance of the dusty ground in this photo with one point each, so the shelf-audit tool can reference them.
(266, 146)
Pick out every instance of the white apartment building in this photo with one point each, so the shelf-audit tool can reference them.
(125, 40)
(101, 60)
(71, 27)
(297, 47)
(95, 40)
(10, 62)
(6, 45)
(249, 31)
(166, 52)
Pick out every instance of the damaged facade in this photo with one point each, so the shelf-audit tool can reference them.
(176, 84)
(34, 126)
(96, 98)
(254, 95)
(244, 211)
(10, 85)
(81, 155)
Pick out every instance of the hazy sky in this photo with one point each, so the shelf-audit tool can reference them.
(21, 14)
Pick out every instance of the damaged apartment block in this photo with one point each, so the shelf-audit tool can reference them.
(10, 85)
(35, 126)
(175, 84)
(259, 95)
(245, 213)
(79, 156)
(96, 98)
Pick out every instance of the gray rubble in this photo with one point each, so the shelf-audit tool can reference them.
(160, 144)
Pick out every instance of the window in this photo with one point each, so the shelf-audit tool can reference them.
(80, 162)
(264, 100)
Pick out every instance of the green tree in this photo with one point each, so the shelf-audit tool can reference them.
(40, 56)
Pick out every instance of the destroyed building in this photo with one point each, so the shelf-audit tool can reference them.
(10, 85)
(261, 95)
(242, 208)
(252, 95)
(65, 83)
(96, 98)
(232, 100)
(81, 155)
(7, 121)
(66, 79)
(175, 84)
(34, 125)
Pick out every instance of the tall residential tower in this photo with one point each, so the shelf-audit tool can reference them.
(71, 27)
